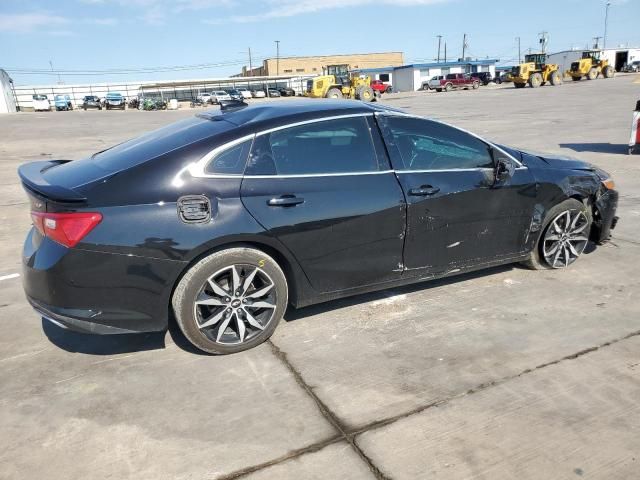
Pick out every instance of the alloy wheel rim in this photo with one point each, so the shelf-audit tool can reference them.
(565, 239)
(235, 304)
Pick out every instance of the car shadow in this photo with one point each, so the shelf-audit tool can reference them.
(294, 314)
(89, 344)
(597, 147)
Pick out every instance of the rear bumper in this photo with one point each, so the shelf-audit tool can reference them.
(96, 292)
(605, 219)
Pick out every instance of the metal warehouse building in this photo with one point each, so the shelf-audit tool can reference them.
(409, 78)
(618, 57)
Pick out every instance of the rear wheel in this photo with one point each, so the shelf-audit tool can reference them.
(448, 87)
(535, 80)
(476, 85)
(608, 72)
(555, 78)
(334, 93)
(389, 89)
(231, 300)
(564, 236)
(366, 94)
(593, 74)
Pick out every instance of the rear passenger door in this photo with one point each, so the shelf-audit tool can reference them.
(325, 189)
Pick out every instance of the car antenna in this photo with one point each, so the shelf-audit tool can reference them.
(231, 105)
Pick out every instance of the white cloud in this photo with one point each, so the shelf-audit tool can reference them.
(291, 8)
(28, 22)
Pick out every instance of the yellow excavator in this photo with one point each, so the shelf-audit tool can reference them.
(337, 82)
(536, 72)
(591, 65)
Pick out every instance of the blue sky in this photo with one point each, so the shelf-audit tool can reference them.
(125, 35)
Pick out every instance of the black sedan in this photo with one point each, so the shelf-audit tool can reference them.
(91, 101)
(224, 219)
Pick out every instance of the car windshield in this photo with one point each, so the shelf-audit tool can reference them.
(115, 96)
(59, 97)
(39, 97)
(221, 93)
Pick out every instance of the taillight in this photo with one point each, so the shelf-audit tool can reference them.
(65, 228)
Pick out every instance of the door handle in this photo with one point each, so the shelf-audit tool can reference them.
(424, 191)
(285, 201)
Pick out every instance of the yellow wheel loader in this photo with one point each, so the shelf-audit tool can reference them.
(591, 65)
(338, 82)
(536, 72)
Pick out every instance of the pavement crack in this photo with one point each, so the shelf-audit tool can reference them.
(349, 434)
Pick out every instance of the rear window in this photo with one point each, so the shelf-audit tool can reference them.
(158, 142)
(451, 76)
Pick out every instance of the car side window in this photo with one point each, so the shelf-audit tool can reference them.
(230, 161)
(428, 145)
(330, 146)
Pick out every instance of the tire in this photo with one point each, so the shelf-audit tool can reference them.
(608, 72)
(576, 79)
(519, 85)
(537, 259)
(389, 89)
(476, 85)
(448, 87)
(334, 93)
(438, 90)
(218, 268)
(555, 78)
(535, 80)
(593, 74)
(366, 94)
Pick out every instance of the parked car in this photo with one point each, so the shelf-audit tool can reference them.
(205, 98)
(455, 81)
(381, 87)
(220, 95)
(41, 103)
(114, 100)
(246, 94)
(287, 92)
(62, 102)
(258, 93)
(427, 85)
(633, 67)
(235, 94)
(91, 101)
(486, 78)
(272, 92)
(228, 222)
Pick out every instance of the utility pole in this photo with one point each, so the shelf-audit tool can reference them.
(277, 57)
(59, 79)
(464, 45)
(519, 52)
(544, 39)
(606, 23)
(445, 52)
(250, 64)
(439, 40)
(596, 42)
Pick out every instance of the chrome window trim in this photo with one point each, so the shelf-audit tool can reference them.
(198, 169)
(435, 170)
(315, 175)
(518, 163)
(313, 120)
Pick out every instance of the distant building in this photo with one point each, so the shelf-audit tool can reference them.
(409, 78)
(7, 99)
(618, 57)
(314, 65)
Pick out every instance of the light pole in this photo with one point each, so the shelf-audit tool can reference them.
(439, 40)
(277, 57)
(519, 52)
(606, 23)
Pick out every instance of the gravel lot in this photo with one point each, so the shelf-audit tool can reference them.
(506, 373)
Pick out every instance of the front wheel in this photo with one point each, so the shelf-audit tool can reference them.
(231, 300)
(608, 72)
(476, 85)
(555, 78)
(564, 237)
(334, 93)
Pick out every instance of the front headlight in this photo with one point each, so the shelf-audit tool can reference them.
(605, 179)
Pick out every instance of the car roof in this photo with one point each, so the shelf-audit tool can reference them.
(283, 111)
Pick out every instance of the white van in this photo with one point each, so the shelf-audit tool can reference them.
(41, 103)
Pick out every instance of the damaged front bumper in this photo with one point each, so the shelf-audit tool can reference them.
(604, 216)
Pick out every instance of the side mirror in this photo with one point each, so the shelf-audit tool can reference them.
(504, 169)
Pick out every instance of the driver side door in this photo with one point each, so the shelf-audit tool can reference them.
(458, 215)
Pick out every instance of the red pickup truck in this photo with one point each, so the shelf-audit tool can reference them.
(381, 87)
(454, 80)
